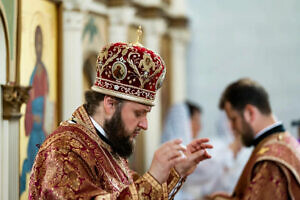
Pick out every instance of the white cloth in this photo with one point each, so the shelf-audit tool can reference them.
(261, 132)
(98, 127)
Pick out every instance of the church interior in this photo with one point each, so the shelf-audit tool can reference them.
(51, 47)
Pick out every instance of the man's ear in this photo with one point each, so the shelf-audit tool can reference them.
(249, 113)
(109, 105)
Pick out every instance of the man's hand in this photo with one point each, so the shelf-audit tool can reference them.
(166, 157)
(195, 153)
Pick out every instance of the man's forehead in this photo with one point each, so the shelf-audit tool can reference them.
(139, 106)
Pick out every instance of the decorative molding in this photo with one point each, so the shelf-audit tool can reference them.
(91, 12)
(150, 12)
(117, 3)
(178, 22)
(72, 20)
(13, 97)
(102, 1)
(76, 5)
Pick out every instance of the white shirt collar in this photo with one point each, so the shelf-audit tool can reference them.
(267, 128)
(98, 127)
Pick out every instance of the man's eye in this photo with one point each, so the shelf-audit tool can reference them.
(138, 114)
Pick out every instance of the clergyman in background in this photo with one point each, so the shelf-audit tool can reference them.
(273, 169)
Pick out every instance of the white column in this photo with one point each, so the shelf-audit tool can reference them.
(10, 159)
(153, 29)
(119, 20)
(8, 147)
(179, 38)
(72, 86)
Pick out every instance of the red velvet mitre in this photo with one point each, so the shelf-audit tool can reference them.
(129, 72)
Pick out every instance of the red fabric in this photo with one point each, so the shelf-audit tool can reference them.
(74, 163)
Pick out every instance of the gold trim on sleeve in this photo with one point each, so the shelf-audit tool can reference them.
(176, 178)
(152, 181)
(165, 191)
(133, 192)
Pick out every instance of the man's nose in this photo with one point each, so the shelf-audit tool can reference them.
(143, 123)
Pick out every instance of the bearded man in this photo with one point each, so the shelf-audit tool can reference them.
(273, 170)
(85, 157)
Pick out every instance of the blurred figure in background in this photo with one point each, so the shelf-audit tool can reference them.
(218, 174)
(183, 121)
(195, 113)
(273, 169)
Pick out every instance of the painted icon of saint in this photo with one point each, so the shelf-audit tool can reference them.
(35, 110)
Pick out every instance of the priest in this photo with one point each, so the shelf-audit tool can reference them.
(85, 157)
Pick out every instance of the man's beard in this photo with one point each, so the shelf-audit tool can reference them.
(247, 134)
(118, 135)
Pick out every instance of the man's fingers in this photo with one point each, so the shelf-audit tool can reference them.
(176, 141)
(207, 146)
(172, 146)
(174, 154)
(170, 151)
(196, 147)
(178, 160)
(200, 140)
(199, 156)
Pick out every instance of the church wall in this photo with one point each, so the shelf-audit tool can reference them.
(234, 39)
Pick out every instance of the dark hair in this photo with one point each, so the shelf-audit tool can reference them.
(92, 100)
(193, 108)
(246, 91)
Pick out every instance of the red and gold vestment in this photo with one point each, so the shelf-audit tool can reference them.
(74, 163)
(272, 172)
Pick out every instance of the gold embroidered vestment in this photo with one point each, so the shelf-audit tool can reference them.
(272, 171)
(74, 163)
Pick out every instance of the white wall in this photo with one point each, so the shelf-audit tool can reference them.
(231, 39)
